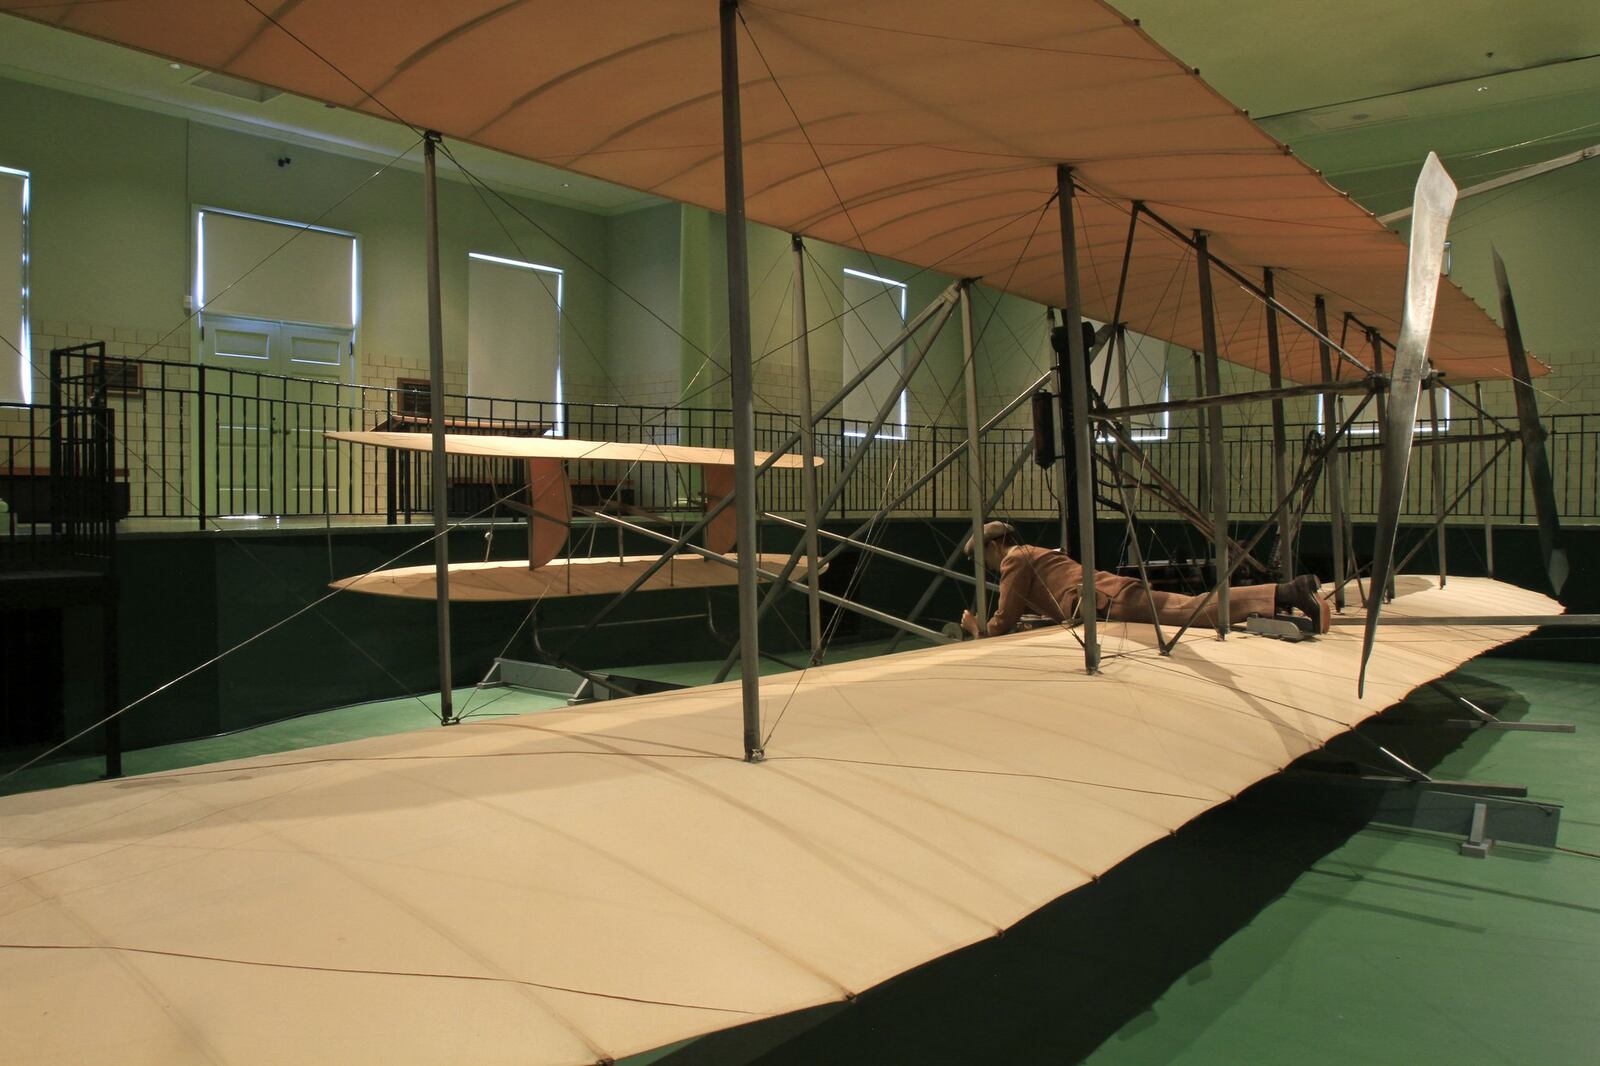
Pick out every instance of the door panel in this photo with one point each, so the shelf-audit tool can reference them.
(285, 385)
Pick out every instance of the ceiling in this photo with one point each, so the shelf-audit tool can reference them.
(1376, 85)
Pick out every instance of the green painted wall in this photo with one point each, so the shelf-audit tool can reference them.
(111, 231)
(109, 234)
(643, 308)
(1009, 337)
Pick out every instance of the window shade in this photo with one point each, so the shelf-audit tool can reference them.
(513, 331)
(276, 270)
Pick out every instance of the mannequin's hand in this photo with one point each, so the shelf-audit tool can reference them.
(969, 624)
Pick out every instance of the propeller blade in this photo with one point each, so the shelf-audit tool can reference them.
(1431, 206)
(1533, 451)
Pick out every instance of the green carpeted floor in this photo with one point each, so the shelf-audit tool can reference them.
(1264, 934)
(1393, 947)
(362, 720)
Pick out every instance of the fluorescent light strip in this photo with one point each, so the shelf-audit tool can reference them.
(25, 333)
(874, 277)
(514, 263)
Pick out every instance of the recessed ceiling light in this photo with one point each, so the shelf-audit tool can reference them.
(175, 66)
(1483, 88)
(566, 185)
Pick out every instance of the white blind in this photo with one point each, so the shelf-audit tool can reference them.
(878, 317)
(15, 375)
(513, 330)
(276, 270)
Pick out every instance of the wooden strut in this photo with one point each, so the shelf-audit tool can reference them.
(880, 551)
(808, 451)
(1125, 491)
(1082, 431)
(740, 372)
(1280, 448)
(969, 377)
(1446, 511)
(1328, 448)
(944, 462)
(1164, 490)
(1318, 331)
(682, 543)
(947, 571)
(441, 470)
(1219, 482)
(1276, 395)
(1330, 413)
(827, 597)
(1063, 475)
(842, 481)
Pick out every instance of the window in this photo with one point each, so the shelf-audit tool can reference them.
(276, 297)
(877, 313)
(513, 333)
(16, 380)
(278, 302)
(1147, 383)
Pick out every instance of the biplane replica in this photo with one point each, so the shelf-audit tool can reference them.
(548, 505)
(577, 886)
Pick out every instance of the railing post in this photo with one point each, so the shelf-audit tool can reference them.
(105, 426)
(55, 431)
(200, 436)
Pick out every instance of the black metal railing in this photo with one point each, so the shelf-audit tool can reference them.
(58, 480)
(199, 442)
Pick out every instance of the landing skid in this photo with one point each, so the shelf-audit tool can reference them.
(585, 688)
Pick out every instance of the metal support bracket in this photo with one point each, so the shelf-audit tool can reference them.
(1280, 627)
(1482, 719)
(1477, 844)
(585, 687)
(1460, 809)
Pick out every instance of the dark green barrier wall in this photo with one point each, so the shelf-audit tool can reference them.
(187, 597)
